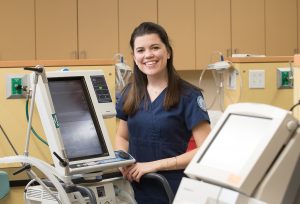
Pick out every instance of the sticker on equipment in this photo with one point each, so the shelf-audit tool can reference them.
(201, 103)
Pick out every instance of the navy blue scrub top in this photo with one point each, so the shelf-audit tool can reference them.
(155, 133)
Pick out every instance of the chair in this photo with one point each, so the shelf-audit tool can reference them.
(163, 182)
(4, 184)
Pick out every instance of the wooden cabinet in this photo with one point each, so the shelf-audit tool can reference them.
(131, 14)
(212, 31)
(298, 26)
(17, 36)
(178, 18)
(97, 29)
(67, 30)
(88, 29)
(248, 26)
(281, 27)
(56, 29)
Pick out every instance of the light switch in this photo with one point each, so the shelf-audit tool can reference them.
(256, 79)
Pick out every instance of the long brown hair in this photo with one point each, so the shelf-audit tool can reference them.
(137, 88)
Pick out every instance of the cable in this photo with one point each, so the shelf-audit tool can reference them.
(219, 81)
(294, 106)
(32, 129)
(7, 138)
(80, 189)
(217, 91)
(25, 190)
(89, 193)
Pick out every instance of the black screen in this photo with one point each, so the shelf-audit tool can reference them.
(80, 130)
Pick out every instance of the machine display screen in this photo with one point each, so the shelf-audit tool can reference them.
(81, 133)
(235, 143)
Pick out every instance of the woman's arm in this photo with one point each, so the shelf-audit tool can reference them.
(200, 133)
(121, 141)
(135, 172)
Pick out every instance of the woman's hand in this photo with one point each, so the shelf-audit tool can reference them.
(136, 171)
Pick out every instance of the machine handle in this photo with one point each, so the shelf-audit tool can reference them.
(61, 160)
(163, 181)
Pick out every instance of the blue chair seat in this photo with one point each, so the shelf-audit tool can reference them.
(4, 184)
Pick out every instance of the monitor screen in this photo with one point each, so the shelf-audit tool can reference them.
(236, 142)
(240, 151)
(80, 130)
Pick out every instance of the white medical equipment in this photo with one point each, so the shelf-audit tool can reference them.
(71, 105)
(123, 74)
(251, 156)
(221, 69)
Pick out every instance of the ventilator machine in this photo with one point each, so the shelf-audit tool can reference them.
(251, 156)
(72, 106)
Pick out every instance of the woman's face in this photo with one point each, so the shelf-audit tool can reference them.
(150, 54)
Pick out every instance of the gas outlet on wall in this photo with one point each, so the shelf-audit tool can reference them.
(14, 84)
(284, 78)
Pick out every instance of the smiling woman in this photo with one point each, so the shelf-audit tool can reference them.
(158, 113)
(151, 55)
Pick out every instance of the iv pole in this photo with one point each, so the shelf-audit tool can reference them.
(38, 71)
(26, 161)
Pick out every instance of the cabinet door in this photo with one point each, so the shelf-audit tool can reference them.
(178, 18)
(17, 30)
(131, 14)
(212, 31)
(298, 31)
(248, 26)
(281, 27)
(97, 29)
(56, 29)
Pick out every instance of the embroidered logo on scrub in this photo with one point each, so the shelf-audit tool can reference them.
(201, 103)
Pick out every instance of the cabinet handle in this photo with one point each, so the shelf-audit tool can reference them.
(228, 52)
(82, 55)
(74, 55)
(295, 50)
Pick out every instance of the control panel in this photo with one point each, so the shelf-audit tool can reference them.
(101, 89)
(121, 159)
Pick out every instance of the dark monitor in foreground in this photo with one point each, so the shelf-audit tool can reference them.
(72, 106)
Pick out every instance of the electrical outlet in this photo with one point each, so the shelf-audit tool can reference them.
(284, 78)
(256, 79)
(14, 84)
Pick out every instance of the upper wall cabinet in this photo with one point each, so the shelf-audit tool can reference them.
(298, 26)
(212, 31)
(248, 26)
(56, 29)
(17, 36)
(97, 29)
(281, 27)
(178, 18)
(131, 14)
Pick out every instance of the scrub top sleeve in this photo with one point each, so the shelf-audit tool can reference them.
(119, 109)
(195, 110)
